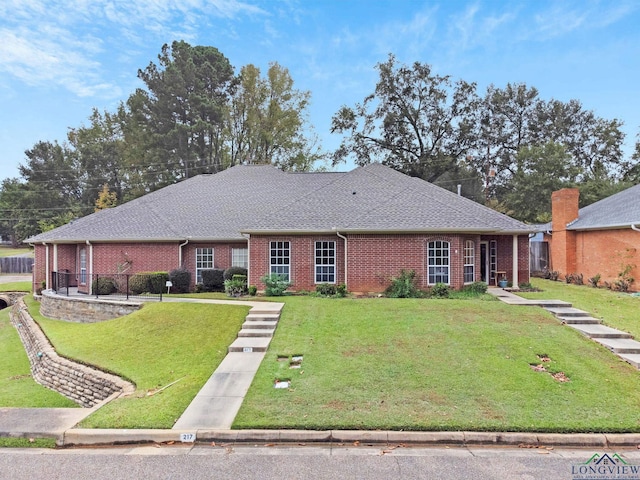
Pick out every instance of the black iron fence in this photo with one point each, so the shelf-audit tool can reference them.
(148, 286)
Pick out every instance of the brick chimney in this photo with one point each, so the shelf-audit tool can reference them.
(564, 210)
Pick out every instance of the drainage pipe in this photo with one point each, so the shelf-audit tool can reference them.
(180, 252)
(345, 256)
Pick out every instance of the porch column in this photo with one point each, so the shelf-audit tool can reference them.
(514, 259)
(46, 266)
(55, 257)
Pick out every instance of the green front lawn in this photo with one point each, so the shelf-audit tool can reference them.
(15, 287)
(12, 252)
(153, 347)
(437, 365)
(17, 387)
(615, 309)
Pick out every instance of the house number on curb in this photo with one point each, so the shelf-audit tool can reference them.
(247, 349)
(187, 437)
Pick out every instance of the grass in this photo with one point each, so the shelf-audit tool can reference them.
(15, 442)
(618, 310)
(157, 345)
(15, 287)
(10, 252)
(17, 387)
(437, 365)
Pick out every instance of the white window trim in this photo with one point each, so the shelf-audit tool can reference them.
(198, 269)
(245, 256)
(472, 258)
(447, 267)
(288, 265)
(316, 264)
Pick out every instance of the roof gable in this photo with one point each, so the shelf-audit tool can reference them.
(619, 210)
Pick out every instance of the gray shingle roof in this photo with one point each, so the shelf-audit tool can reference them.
(255, 199)
(619, 210)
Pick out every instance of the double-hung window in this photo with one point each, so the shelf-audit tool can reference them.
(469, 261)
(438, 262)
(325, 263)
(204, 261)
(239, 257)
(280, 259)
(83, 266)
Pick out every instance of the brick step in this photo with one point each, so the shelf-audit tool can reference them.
(262, 325)
(567, 312)
(580, 320)
(263, 317)
(250, 344)
(600, 331)
(258, 332)
(632, 358)
(620, 345)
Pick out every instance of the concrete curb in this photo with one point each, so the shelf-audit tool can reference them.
(97, 437)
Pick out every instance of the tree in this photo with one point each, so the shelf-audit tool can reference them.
(184, 107)
(106, 199)
(632, 174)
(267, 121)
(417, 122)
(538, 172)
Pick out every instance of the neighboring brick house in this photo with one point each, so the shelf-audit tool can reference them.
(602, 238)
(359, 228)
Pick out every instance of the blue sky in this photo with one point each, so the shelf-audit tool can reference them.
(59, 59)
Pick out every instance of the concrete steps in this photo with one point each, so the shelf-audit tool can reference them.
(620, 345)
(257, 330)
(579, 320)
(566, 311)
(600, 331)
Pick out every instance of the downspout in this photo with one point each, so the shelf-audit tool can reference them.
(90, 266)
(345, 256)
(633, 227)
(180, 252)
(46, 265)
(248, 237)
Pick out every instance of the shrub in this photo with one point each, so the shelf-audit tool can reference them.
(594, 281)
(103, 286)
(148, 282)
(275, 284)
(237, 286)
(477, 288)
(404, 286)
(213, 280)
(440, 290)
(341, 290)
(181, 280)
(138, 283)
(326, 289)
(553, 275)
(231, 271)
(253, 290)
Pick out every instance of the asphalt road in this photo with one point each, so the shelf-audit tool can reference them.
(299, 462)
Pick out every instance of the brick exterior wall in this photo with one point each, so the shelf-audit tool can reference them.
(589, 252)
(374, 259)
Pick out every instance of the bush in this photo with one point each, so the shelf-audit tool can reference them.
(181, 280)
(275, 284)
(404, 286)
(237, 286)
(103, 286)
(231, 271)
(326, 290)
(213, 280)
(595, 280)
(476, 288)
(253, 290)
(148, 282)
(341, 290)
(440, 290)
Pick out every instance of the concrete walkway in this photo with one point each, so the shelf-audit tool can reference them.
(619, 342)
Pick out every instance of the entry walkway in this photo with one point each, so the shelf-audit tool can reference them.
(619, 342)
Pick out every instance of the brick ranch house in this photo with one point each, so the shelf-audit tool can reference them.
(359, 228)
(601, 238)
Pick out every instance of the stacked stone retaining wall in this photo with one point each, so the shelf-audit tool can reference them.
(82, 384)
(83, 310)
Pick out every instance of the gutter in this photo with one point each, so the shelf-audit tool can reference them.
(345, 256)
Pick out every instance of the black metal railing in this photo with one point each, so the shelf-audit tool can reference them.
(113, 285)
